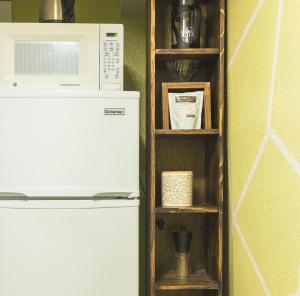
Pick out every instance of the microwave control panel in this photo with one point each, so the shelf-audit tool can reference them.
(111, 57)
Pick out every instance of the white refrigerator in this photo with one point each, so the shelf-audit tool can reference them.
(69, 193)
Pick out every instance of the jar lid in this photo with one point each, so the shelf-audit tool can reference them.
(185, 2)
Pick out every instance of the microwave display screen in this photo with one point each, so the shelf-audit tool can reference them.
(46, 58)
(112, 35)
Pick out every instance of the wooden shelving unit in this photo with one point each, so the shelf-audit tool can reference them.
(200, 151)
(201, 132)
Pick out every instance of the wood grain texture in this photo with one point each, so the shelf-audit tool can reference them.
(187, 51)
(192, 132)
(202, 208)
(207, 107)
(199, 280)
(165, 106)
(203, 26)
(201, 151)
(212, 244)
(163, 36)
(152, 153)
(187, 85)
(189, 292)
(221, 141)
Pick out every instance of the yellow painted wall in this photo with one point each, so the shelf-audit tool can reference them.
(264, 147)
(99, 11)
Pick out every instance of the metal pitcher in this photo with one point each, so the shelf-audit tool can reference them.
(51, 11)
(57, 11)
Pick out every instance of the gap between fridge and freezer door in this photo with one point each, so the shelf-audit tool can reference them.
(67, 197)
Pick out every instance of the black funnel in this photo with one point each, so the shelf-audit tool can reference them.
(182, 240)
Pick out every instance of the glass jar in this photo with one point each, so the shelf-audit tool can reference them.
(186, 18)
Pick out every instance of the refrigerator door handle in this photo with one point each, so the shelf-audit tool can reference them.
(129, 195)
(13, 194)
(69, 192)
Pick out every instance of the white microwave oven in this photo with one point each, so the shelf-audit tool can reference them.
(60, 56)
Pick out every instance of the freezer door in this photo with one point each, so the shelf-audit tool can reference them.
(69, 146)
(68, 249)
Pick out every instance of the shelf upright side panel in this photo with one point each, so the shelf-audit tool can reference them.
(221, 143)
(152, 161)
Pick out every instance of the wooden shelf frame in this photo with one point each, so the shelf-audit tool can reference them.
(191, 86)
(188, 51)
(202, 208)
(193, 132)
(200, 280)
(213, 53)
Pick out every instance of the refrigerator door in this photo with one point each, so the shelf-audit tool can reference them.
(69, 248)
(69, 144)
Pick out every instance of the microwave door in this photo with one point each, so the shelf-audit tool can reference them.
(49, 56)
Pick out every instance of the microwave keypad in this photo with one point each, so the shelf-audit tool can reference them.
(111, 60)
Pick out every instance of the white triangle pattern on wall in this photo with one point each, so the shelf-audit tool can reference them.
(270, 135)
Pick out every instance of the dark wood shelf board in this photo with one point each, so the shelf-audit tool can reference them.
(197, 132)
(199, 280)
(205, 56)
(201, 208)
(187, 51)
